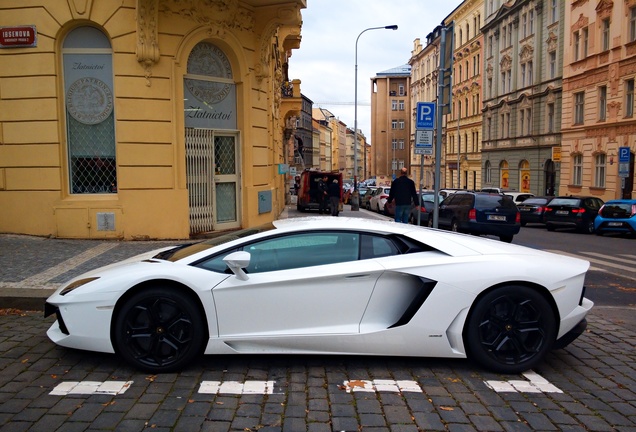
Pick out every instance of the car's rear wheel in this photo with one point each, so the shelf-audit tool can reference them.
(506, 238)
(587, 228)
(550, 227)
(510, 329)
(159, 330)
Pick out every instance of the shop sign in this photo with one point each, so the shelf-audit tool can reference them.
(18, 37)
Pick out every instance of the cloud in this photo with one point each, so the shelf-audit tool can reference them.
(325, 62)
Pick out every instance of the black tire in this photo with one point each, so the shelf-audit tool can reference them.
(588, 228)
(549, 227)
(506, 238)
(599, 233)
(510, 329)
(430, 221)
(523, 224)
(159, 330)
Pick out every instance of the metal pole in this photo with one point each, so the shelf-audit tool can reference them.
(355, 197)
(440, 123)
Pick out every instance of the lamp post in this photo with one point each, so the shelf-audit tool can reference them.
(355, 198)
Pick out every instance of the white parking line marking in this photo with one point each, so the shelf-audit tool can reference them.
(535, 384)
(91, 387)
(382, 385)
(235, 387)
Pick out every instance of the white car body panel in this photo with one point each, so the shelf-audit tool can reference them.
(343, 308)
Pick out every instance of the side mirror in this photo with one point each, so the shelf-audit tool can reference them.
(237, 261)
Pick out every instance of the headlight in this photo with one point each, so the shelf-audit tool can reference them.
(77, 284)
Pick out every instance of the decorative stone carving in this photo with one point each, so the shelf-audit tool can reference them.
(219, 15)
(552, 42)
(604, 9)
(147, 39)
(527, 52)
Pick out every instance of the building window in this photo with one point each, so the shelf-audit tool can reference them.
(602, 103)
(629, 97)
(577, 45)
(599, 170)
(489, 87)
(524, 25)
(585, 36)
(394, 144)
(605, 34)
(550, 118)
(401, 124)
(531, 22)
(490, 43)
(401, 105)
(401, 90)
(632, 24)
(394, 105)
(554, 11)
(401, 144)
(577, 170)
(579, 105)
(553, 64)
(394, 124)
(489, 128)
(488, 173)
(90, 118)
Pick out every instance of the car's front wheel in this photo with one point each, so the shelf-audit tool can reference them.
(510, 329)
(159, 330)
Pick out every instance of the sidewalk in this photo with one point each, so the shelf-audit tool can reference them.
(32, 268)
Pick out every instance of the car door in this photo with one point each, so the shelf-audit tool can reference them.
(446, 210)
(299, 284)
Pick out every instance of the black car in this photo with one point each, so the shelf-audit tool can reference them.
(533, 209)
(480, 213)
(576, 212)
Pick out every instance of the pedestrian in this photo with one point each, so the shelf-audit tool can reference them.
(403, 192)
(323, 195)
(334, 197)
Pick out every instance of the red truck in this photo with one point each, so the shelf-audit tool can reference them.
(308, 194)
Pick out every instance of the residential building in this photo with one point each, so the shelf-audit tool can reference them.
(146, 119)
(361, 158)
(303, 145)
(522, 88)
(598, 99)
(424, 64)
(390, 121)
(464, 125)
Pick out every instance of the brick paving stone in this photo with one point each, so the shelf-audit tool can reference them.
(397, 414)
(373, 420)
(346, 423)
(484, 423)
(319, 427)
(594, 423)
(215, 426)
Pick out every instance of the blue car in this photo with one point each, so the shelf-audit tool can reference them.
(616, 216)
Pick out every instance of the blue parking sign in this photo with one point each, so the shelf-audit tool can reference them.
(425, 118)
(623, 154)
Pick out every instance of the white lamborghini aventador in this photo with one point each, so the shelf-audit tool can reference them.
(328, 286)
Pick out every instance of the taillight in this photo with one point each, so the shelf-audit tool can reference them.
(603, 206)
(472, 215)
(578, 210)
(422, 209)
(518, 218)
(548, 209)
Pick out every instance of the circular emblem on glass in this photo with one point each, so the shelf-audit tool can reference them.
(89, 100)
(207, 60)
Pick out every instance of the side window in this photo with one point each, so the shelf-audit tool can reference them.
(377, 247)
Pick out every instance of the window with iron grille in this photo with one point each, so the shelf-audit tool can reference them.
(90, 120)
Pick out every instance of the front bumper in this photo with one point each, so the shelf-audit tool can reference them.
(571, 336)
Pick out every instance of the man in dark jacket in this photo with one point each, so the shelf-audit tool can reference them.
(334, 197)
(323, 195)
(403, 191)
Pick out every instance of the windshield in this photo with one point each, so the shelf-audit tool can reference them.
(183, 251)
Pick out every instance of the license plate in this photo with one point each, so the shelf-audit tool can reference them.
(524, 209)
(562, 212)
(615, 224)
(496, 218)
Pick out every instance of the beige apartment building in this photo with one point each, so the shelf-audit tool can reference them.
(464, 125)
(598, 99)
(144, 119)
(424, 63)
(390, 121)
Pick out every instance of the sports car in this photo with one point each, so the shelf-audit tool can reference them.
(321, 285)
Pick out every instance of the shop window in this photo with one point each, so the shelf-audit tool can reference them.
(90, 120)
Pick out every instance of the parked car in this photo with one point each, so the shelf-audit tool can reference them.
(296, 288)
(533, 209)
(371, 191)
(616, 216)
(377, 201)
(427, 206)
(517, 196)
(480, 213)
(576, 212)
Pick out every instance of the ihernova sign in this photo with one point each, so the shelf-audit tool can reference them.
(18, 36)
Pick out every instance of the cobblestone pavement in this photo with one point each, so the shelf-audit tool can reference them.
(589, 386)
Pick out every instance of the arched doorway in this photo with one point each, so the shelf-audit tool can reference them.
(211, 140)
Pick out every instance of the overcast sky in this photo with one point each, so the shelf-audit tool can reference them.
(325, 62)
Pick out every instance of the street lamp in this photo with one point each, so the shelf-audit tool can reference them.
(355, 201)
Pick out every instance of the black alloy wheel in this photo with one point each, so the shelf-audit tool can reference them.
(159, 330)
(510, 329)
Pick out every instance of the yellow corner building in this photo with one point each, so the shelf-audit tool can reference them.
(144, 119)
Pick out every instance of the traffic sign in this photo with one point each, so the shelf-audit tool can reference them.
(623, 154)
(623, 161)
(423, 150)
(425, 115)
(423, 138)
